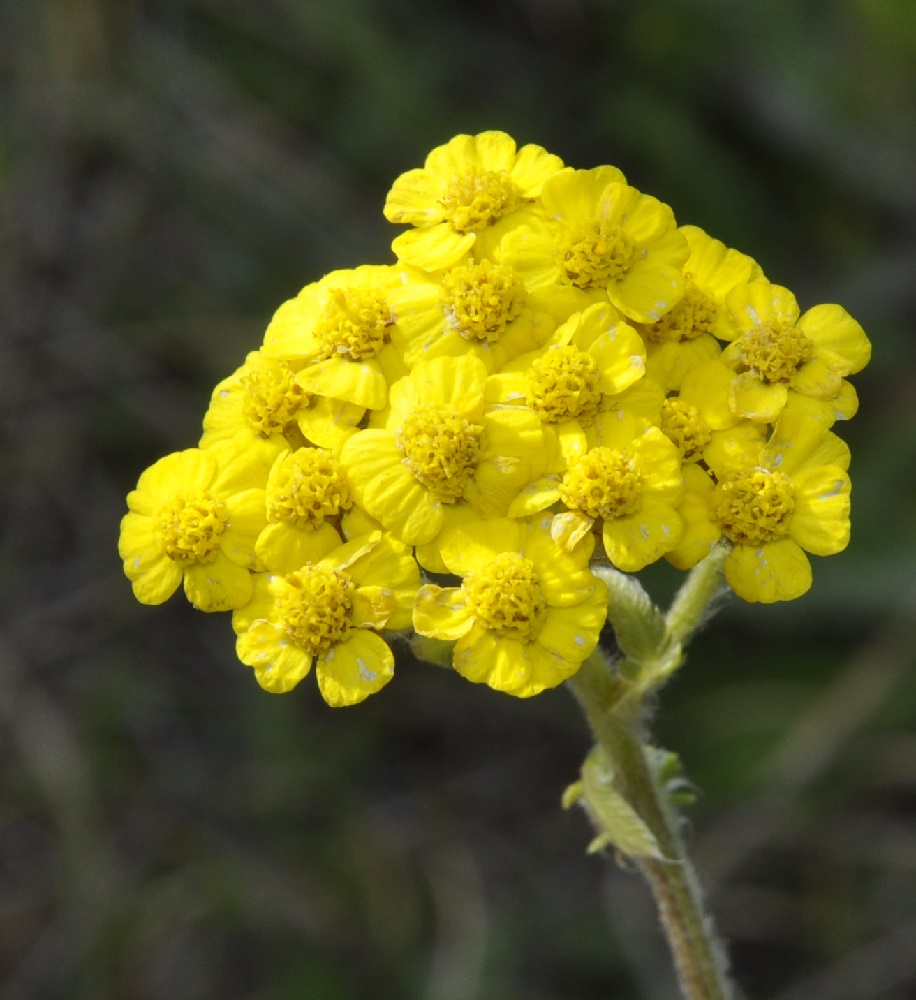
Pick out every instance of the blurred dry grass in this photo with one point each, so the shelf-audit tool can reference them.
(171, 171)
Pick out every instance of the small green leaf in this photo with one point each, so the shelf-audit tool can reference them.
(638, 623)
(619, 824)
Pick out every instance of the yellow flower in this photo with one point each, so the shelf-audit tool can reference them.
(778, 354)
(686, 335)
(441, 448)
(630, 485)
(791, 499)
(330, 612)
(475, 308)
(261, 410)
(527, 612)
(341, 329)
(186, 522)
(306, 494)
(464, 188)
(600, 235)
(593, 363)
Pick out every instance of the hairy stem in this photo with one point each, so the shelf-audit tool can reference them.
(698, 955)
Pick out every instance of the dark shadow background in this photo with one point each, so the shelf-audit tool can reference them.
(172, 170)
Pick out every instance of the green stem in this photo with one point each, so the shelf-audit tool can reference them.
(699, 957)
(691, 603)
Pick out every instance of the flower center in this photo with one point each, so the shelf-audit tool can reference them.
(441, 449)
(481, 300)
(564, 384)
(681, 423)
(188, 528)
(354, 324)
(315, 606)
(774, 353)
(505, 598)
(305, 487)
(597, 254)
(693, 316)
(272, 397)
(477, 198)
(754, 507)
(604, 484)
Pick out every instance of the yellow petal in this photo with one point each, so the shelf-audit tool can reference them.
(777, 571)
(353, 669)
(533, 166)
(759, 302)
(358, 382)
(755, 399)
(820, 521)
(247, 518)
(157, 582)
(220, 585)
(501, 663)
(633, 542)
(707, 388)
(568, 529)
(648, 290)
(833, 329)
(434, 248)
(414, 199)
(329, 422)
(442, 612)
(283, 547)
(279, 664)
(535, 497)
(473, 545)
(572, 633)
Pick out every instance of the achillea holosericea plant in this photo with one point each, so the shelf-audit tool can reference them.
(553, 387)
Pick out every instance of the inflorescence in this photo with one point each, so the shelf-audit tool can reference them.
(553, 376)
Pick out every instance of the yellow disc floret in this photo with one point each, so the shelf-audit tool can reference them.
(775, 353)
(353, 324)
(681, 423)
(481, 300)
(188, 529)
(441, 449)
(475, 199)
(504, 597)
(596, 254)
(564, 384)
(603, 484)
(305, 487)
(272, 397)
(693, 316)
(754, 507)
(315, 606)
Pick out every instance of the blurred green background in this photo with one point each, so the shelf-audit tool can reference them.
(172, 170)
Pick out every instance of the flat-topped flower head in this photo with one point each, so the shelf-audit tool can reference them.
(330, 613)
(790, 499)
(474, 308)
(687, 334)
(442, 447)
(465, 188)
(778, 353)
(339, 333)
(527, 612)
(187, 523)
(600, 235)
(306, 494)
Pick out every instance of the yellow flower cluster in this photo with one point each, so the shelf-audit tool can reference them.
(553, 374)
